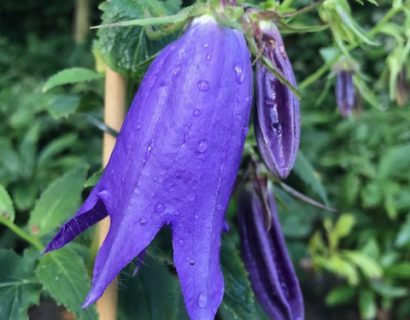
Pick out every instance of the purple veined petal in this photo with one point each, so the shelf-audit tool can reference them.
(266, 258)
(175, 163)
(277, 124)
(345, 92)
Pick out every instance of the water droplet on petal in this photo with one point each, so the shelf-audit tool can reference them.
(203, 85)
(240, 76)
(159, 208)
(202, 300)
(208, 56)
(196, 113)
(138, 126)
(219, 207)
(177, 213)
(192, 262)
(181, 242)
(175, 71)
(202, 146)
(142, 221)
(196, 217)
(206, 45)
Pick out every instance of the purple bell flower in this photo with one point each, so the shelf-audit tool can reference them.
(175, 163)
(345, 92)
(266, 258)
(277, 123)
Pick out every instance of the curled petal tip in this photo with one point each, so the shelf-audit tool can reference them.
(90, 299)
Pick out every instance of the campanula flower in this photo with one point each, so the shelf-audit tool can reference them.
(265, 255)
(345, 92)
(175, 163)
(277, 121)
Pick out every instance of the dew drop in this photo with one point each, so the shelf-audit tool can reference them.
(175, 72)
(219, 207)
(196, 217)
(191, 262)
(159, 208)
(142, 222)
(181, 242)
(202, 300)
(208, 56)
(203, 85)
(240, 76)
(202, 146)
(206, 45)
(138, 126)
(196, 113)
(177, 213)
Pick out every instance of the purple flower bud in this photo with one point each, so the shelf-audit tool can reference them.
(277, 124)
(345, 92)
(175, 163)
(266, 258)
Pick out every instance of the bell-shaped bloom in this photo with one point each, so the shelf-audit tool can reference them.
(345, 92)
(277, 123)
(266, 258)
(175, 163)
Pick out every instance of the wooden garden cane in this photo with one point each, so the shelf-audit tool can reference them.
(114, 111)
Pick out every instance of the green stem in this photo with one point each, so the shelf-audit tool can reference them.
(22, 234)
(322, 70)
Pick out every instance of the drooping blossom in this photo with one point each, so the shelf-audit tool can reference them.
(175, 163)
(345, 92)
(266, 258)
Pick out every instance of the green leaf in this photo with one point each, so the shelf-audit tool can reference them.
(6, 205)
(367, 265)
(127, 49)
(367, 305)
(70, 76)
(403, 236)
(344, 225)
(93, 179)
(339, 266)
(154, 285)
(394, 161)
(399, 270)
(238, 298)
(19, 288)
(57, 202)
(63, 106)
(63, 274)
(55, 147)
(340, 295)
(305, 171)
(388, 291)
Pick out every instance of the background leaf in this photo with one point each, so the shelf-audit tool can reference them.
(19, 288)
(63, 275)
(57, 202)
(6, 205)
(126, 49)
(70, 76)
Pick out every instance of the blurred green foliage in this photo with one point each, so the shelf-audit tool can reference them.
(355, 259)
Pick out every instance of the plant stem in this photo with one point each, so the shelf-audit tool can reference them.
(319, 72)
(22, 233)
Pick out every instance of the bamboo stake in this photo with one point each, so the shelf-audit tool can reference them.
(81, 20)
(114, 102)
